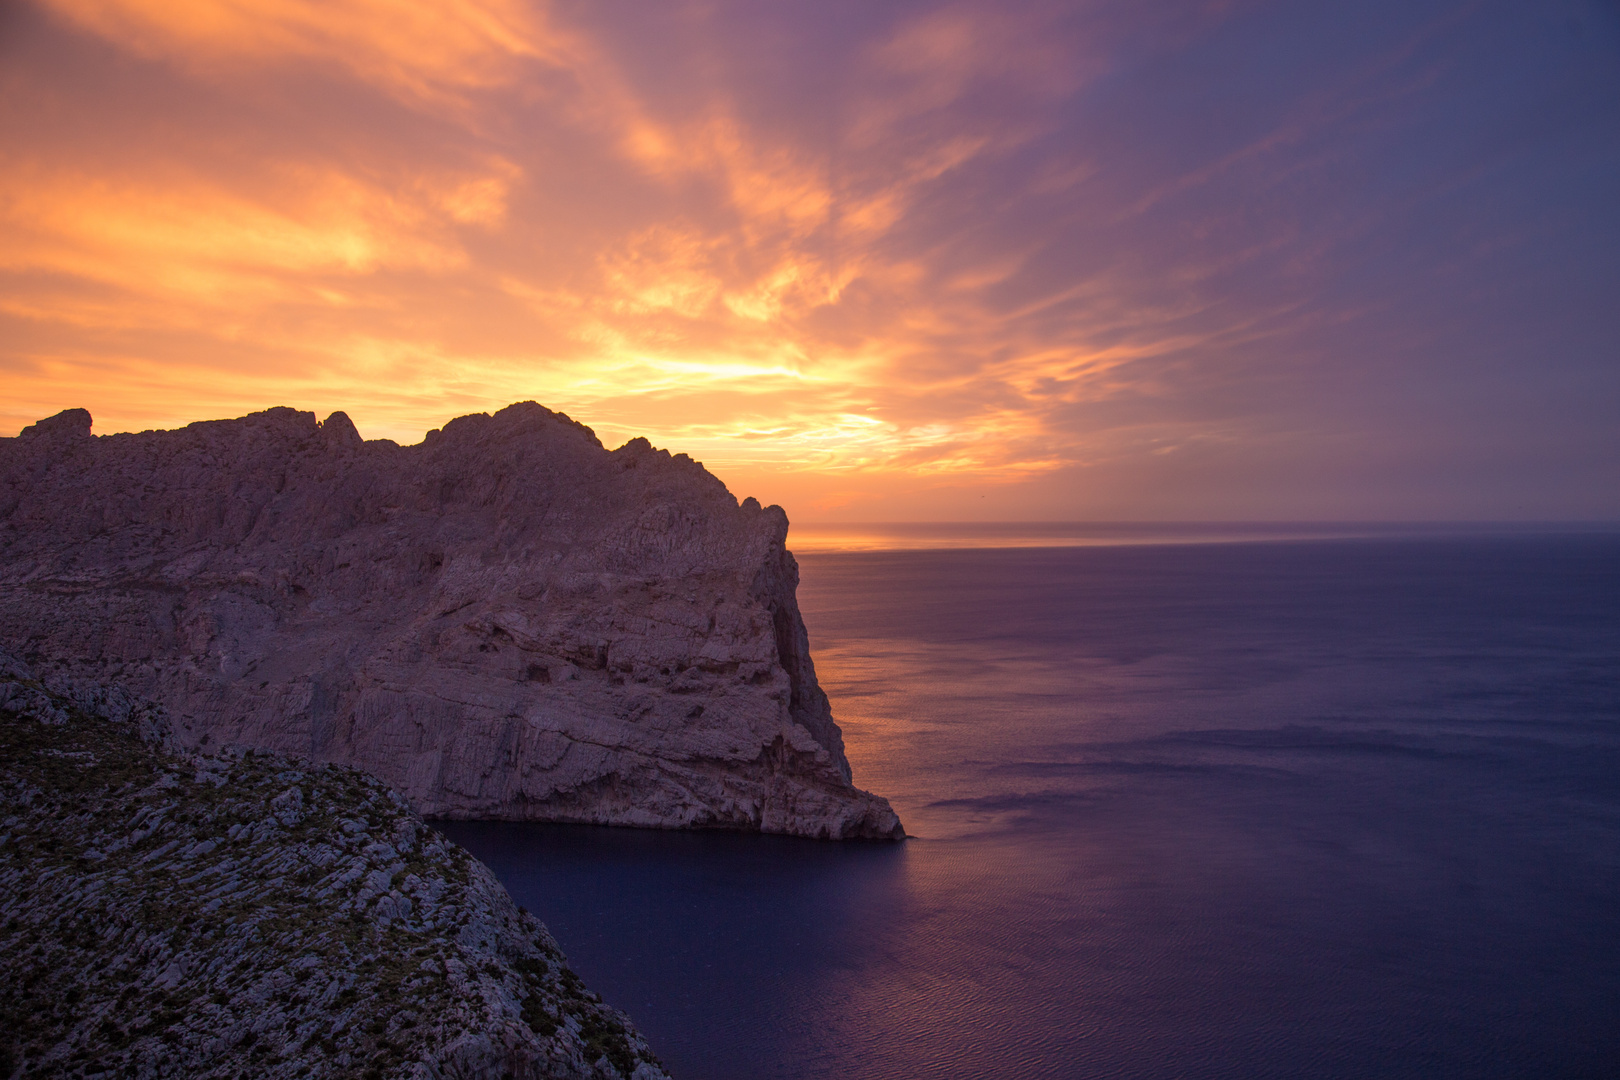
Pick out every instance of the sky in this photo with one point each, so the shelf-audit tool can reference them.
(1235, 260)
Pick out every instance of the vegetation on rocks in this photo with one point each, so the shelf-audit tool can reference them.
(165, 914)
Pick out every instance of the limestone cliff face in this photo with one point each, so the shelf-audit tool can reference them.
(505, 621)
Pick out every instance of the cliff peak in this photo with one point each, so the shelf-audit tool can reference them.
(69, 423)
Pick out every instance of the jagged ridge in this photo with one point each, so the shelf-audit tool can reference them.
(507, 620)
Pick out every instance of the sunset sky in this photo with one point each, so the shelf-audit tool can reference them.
(871, 261)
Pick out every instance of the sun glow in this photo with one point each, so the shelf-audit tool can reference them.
(717, 286)
(898, 254)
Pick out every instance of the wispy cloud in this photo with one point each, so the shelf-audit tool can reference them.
(423, 50)
(915, 245)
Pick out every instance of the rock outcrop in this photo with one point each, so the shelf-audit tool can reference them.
(166, 914)
(504, 621)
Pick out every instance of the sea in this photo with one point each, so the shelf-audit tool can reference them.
(1185, 802)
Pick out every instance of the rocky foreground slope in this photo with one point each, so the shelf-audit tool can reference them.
(505, 621)
(179, 915)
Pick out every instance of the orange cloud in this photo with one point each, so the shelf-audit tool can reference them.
(519, 214)
(178, 235)
(424, 49)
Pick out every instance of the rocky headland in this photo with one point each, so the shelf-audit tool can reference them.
(244, 914)
(507, 620)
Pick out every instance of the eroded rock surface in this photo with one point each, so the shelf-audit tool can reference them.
(505, 621)
(181, 915)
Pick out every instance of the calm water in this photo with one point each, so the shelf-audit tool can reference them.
(1322, 809)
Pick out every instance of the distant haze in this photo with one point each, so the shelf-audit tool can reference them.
(1052, 261)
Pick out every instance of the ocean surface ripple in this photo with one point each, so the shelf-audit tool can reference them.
(1336, 808)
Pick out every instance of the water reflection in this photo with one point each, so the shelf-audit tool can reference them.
(1235, 811)
(817, 537)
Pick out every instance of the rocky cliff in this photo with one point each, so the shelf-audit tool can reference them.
(186, 915)
(504, 621)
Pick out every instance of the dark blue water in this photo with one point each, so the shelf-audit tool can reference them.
(1325, 809)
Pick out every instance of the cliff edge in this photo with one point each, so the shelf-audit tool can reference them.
(504, 621)
(169, 914)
